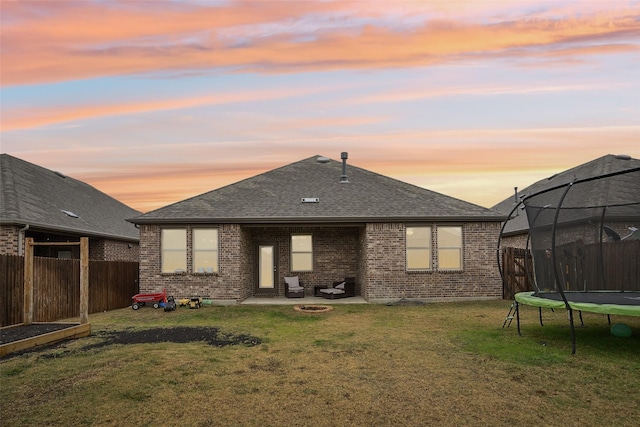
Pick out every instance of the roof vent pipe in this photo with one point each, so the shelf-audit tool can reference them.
(344, 156)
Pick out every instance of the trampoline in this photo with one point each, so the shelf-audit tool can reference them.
(584, 239)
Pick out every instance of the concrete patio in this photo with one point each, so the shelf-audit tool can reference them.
(305, 300)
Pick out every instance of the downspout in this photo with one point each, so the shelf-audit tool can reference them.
(21, 239)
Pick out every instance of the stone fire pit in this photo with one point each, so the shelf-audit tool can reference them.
(312, 308)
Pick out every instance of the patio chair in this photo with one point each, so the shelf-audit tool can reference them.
(340, 289)
(293, 287)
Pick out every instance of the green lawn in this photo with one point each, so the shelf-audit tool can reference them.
(359, 365)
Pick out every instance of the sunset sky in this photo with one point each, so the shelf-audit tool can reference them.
(153, 102)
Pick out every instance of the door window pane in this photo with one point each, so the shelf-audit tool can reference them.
(266, 266)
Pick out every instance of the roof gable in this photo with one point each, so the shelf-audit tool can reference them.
(604, 165)
(276, 196)
(46, 199)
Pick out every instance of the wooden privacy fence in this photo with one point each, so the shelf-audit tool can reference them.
(56, 287)
(582, 267)
(11, 289)
(517, 269)
(592, 267)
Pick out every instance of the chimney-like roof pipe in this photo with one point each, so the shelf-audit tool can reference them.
(344, 156)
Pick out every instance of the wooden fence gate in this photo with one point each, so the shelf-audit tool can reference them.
(517, 266)
(56, 287)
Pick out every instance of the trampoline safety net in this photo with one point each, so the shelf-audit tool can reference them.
(590, 230)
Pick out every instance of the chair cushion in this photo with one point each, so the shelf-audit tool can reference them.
(293, 282)
(340, 286)
(334, 291)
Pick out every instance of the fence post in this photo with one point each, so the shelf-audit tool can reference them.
(27, 303)
(84, 280)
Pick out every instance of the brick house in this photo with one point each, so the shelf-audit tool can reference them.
(49, 206)
(517, 228)
(321, 220)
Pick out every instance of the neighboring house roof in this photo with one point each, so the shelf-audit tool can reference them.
(49, 200)
(604, 165)
(276, 197)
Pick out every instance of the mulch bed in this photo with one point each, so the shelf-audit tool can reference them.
(21, 332)
(212, 336)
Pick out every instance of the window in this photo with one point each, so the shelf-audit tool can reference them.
(174, 250)
(205, 250)
(450, 248)
(301, 252)
(418, 245)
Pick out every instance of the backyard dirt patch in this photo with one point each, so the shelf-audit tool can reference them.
(210, 335)
(405, 302)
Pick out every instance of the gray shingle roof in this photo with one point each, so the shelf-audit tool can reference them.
(276, 197)
(37, 196)
(603, 165)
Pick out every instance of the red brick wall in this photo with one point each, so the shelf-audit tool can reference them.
(230, 283)
(9, 240)
(374, 254)
(336, 255)
(514, 241)
(113, 250)
(387, 278)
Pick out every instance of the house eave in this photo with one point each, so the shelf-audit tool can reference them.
(68, 230)
(512, 233)
(316, 220)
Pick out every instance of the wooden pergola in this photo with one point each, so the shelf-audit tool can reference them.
(84, 277)
(74, 330)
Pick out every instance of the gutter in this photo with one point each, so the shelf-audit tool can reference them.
(315, 220)
(47, 228)
(21, 233)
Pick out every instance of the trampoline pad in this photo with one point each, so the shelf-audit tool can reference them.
(621, 303)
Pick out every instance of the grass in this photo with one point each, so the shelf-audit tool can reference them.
(361, 365)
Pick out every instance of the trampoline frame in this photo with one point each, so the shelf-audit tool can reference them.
(564, 300)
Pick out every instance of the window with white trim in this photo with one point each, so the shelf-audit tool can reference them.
(449, 248)
(173, 244)
(301, 252)
(205, 250)
(418, 248)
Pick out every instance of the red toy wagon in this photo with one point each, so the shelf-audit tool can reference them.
(140, 299)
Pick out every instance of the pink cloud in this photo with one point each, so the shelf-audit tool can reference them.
(482, 166)
(100, 39)
(32, 117)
